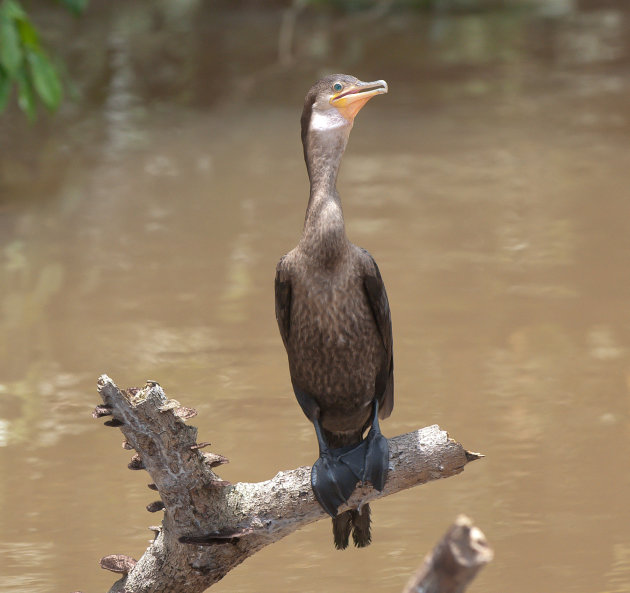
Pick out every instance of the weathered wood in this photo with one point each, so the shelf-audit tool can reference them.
(454, 562)
(224, 523)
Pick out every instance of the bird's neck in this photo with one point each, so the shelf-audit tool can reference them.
(324, 235)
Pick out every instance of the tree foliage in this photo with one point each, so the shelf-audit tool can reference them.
(24, 64)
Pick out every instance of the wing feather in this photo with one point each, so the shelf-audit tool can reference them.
(377, 297)
(283, 300)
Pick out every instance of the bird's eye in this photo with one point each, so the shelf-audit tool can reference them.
(337, 86)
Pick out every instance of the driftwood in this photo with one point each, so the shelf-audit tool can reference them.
(210, 526)
(454, 562)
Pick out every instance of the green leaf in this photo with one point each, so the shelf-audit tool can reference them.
(5, 89)
(28, 34)
(10, 47)
(26, 96)
(11, 9)
(23, 62)
(45, 79)
(74, 6)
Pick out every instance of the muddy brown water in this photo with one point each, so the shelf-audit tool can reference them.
(139, 233)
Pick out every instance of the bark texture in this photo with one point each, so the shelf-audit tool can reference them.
(454, 562)
(211, 526)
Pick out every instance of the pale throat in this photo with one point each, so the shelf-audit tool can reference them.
(329, 119)
(327, 139)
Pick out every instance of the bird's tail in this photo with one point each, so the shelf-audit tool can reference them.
(355, 521)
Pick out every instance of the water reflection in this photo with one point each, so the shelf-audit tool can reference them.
(29, 559)
(140, 231)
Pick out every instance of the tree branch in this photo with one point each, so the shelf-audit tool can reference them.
(454, 562)
(211, 526)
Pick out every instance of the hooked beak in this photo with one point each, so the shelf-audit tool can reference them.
(351, 99)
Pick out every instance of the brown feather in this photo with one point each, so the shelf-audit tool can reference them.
(332, 308)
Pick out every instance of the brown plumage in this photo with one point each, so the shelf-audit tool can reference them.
(334, 317)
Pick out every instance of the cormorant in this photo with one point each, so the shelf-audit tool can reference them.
(334, 318)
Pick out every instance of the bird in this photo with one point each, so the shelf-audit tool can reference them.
(334, 319)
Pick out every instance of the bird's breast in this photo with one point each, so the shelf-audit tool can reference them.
(330, 309)
(334, 349)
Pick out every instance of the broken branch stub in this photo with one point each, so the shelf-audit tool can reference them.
(454, 562)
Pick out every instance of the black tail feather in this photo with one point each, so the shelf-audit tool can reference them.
(352, 521)
(361, 535)
(342, 525)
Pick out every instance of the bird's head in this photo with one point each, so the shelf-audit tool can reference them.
(335, 100)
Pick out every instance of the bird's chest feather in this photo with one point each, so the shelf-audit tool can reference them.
(334, 347)
(330, 310)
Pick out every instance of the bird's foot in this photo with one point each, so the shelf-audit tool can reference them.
(377, 454)
(376, 459)
(337, 472)
(333, 479)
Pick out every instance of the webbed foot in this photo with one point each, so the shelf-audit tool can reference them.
(337, 472)
(333, 481)
(376, 459)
